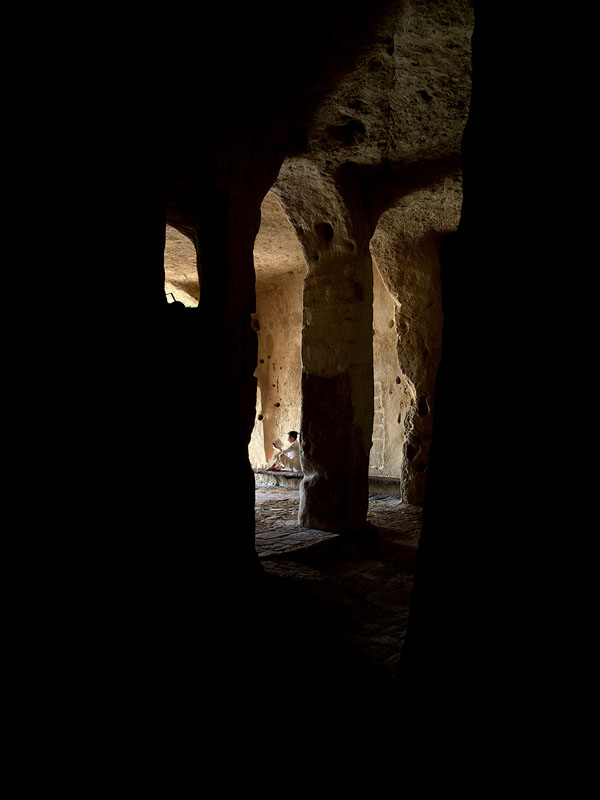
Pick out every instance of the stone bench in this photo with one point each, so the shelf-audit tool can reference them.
(291, 480)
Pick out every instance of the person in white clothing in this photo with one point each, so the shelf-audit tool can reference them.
(288, 458)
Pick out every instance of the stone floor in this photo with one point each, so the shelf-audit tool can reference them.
(342, 602)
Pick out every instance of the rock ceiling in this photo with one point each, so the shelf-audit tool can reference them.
(396, 118)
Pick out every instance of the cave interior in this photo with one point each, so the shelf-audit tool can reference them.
(328, 224)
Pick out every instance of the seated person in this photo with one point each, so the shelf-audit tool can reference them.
(288, 458)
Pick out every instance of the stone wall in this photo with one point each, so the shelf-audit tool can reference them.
(392, 393)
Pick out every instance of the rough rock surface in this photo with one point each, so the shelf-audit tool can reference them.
(381, 168)
(376, 171)
(352, 164)
(358, 123)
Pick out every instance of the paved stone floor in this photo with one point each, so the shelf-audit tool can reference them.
(343, 600)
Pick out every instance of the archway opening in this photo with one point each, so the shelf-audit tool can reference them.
(280, 270)
(393, 393)
(408, 322)
(181, 275)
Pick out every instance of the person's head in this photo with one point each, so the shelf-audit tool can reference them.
(292, 436)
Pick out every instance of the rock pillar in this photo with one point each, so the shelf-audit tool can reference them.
(337, 390)
(219, 349)
(337, 347)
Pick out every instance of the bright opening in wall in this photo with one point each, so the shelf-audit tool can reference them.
(280, 271)
(181, 275)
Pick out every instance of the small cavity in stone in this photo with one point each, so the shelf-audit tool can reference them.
(324, 231)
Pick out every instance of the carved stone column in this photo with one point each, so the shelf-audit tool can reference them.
(337, 391)
(337, 350)
(220, 358)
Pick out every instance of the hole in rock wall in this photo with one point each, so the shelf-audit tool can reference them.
(324, 231)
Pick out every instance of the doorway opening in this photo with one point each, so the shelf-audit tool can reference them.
(280, 270)
(181, 275)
